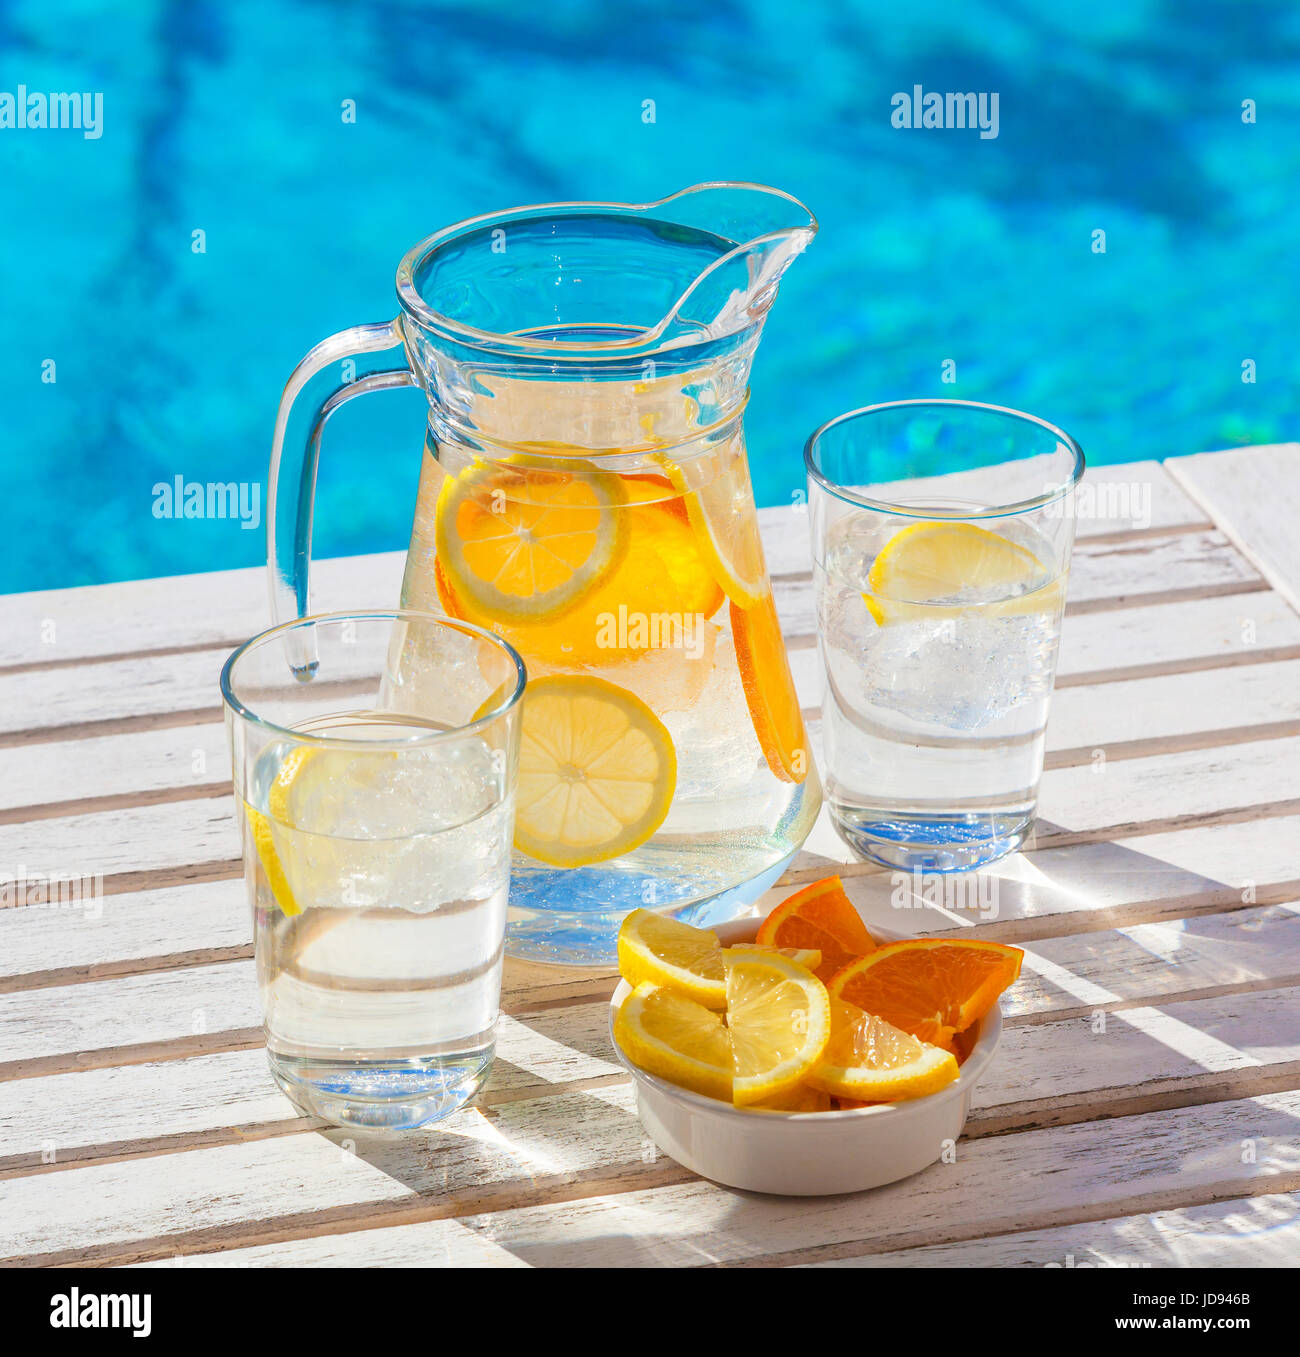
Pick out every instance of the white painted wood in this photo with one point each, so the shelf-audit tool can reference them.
(519, 1148)
(431, 1244)
(117, 930)
(140, 687)
(215, 1002)
(105, 1014)
(223, 608)
(219, 609)
(194, 839)
(1052, 1177)
(1248, 1232)
(1233, 630)
(1087, 886)
(1122, 795)
(1044, 1068)
(1253, 494)
(1135, 1053)
(179, 759)
(527, 1150)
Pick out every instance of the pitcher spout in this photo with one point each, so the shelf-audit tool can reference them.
(767, 228)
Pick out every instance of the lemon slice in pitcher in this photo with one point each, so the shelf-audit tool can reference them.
(724, 520)
(597, 771)
(927, 566)
(520, 543)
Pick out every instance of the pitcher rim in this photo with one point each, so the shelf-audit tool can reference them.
(414, 304)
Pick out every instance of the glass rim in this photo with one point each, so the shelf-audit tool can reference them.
(935, 402)
(413, 302)
(238, 708)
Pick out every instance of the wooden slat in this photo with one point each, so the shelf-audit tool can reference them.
(221, 609)
(1242, 1232)
(1036, 894)
(144, 692)
(1085, 886)
(1249, 1232)
(1253, 494)
(225, 607)
(1155, 1162)
(151, 846)
(624, 1208)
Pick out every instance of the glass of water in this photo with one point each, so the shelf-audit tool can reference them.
(941, 543)
(374, 765)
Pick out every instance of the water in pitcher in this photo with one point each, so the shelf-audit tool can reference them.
(379, 885)
(663, 755)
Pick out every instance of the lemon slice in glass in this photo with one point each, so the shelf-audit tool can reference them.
(927, 568)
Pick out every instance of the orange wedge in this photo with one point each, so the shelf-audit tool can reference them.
(769, 689)
(932, 988)
(819, 917)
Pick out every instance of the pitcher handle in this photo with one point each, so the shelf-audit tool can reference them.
(289, 555)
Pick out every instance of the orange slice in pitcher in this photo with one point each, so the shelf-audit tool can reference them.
(769, 689)
(597, 771)
(725, 522)
(524, 543)
(932, 988)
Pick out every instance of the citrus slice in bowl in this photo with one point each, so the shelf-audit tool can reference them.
(870, 1060)
(927, 566)
(779, 1016)
(667, 1033)
(808, 957)
(662, 951)
(518, 543)
(597, 771)
(819, 917)
(932, 988)
(769, 690)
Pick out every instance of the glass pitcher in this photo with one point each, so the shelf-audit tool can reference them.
(585, 495)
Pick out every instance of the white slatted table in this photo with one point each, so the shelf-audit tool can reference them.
(1144, 1108)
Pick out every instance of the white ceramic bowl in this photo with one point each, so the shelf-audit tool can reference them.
(804, 1154)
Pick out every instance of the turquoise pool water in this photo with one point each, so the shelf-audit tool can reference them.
(227, 118)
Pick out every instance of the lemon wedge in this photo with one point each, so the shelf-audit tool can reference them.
(808, 957)
(871, 1060)
(669, 1034)
(597, 771)
(658, 950)
(780, 1021)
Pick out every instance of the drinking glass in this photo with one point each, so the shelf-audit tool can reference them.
(376, 820)
(941, 537)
